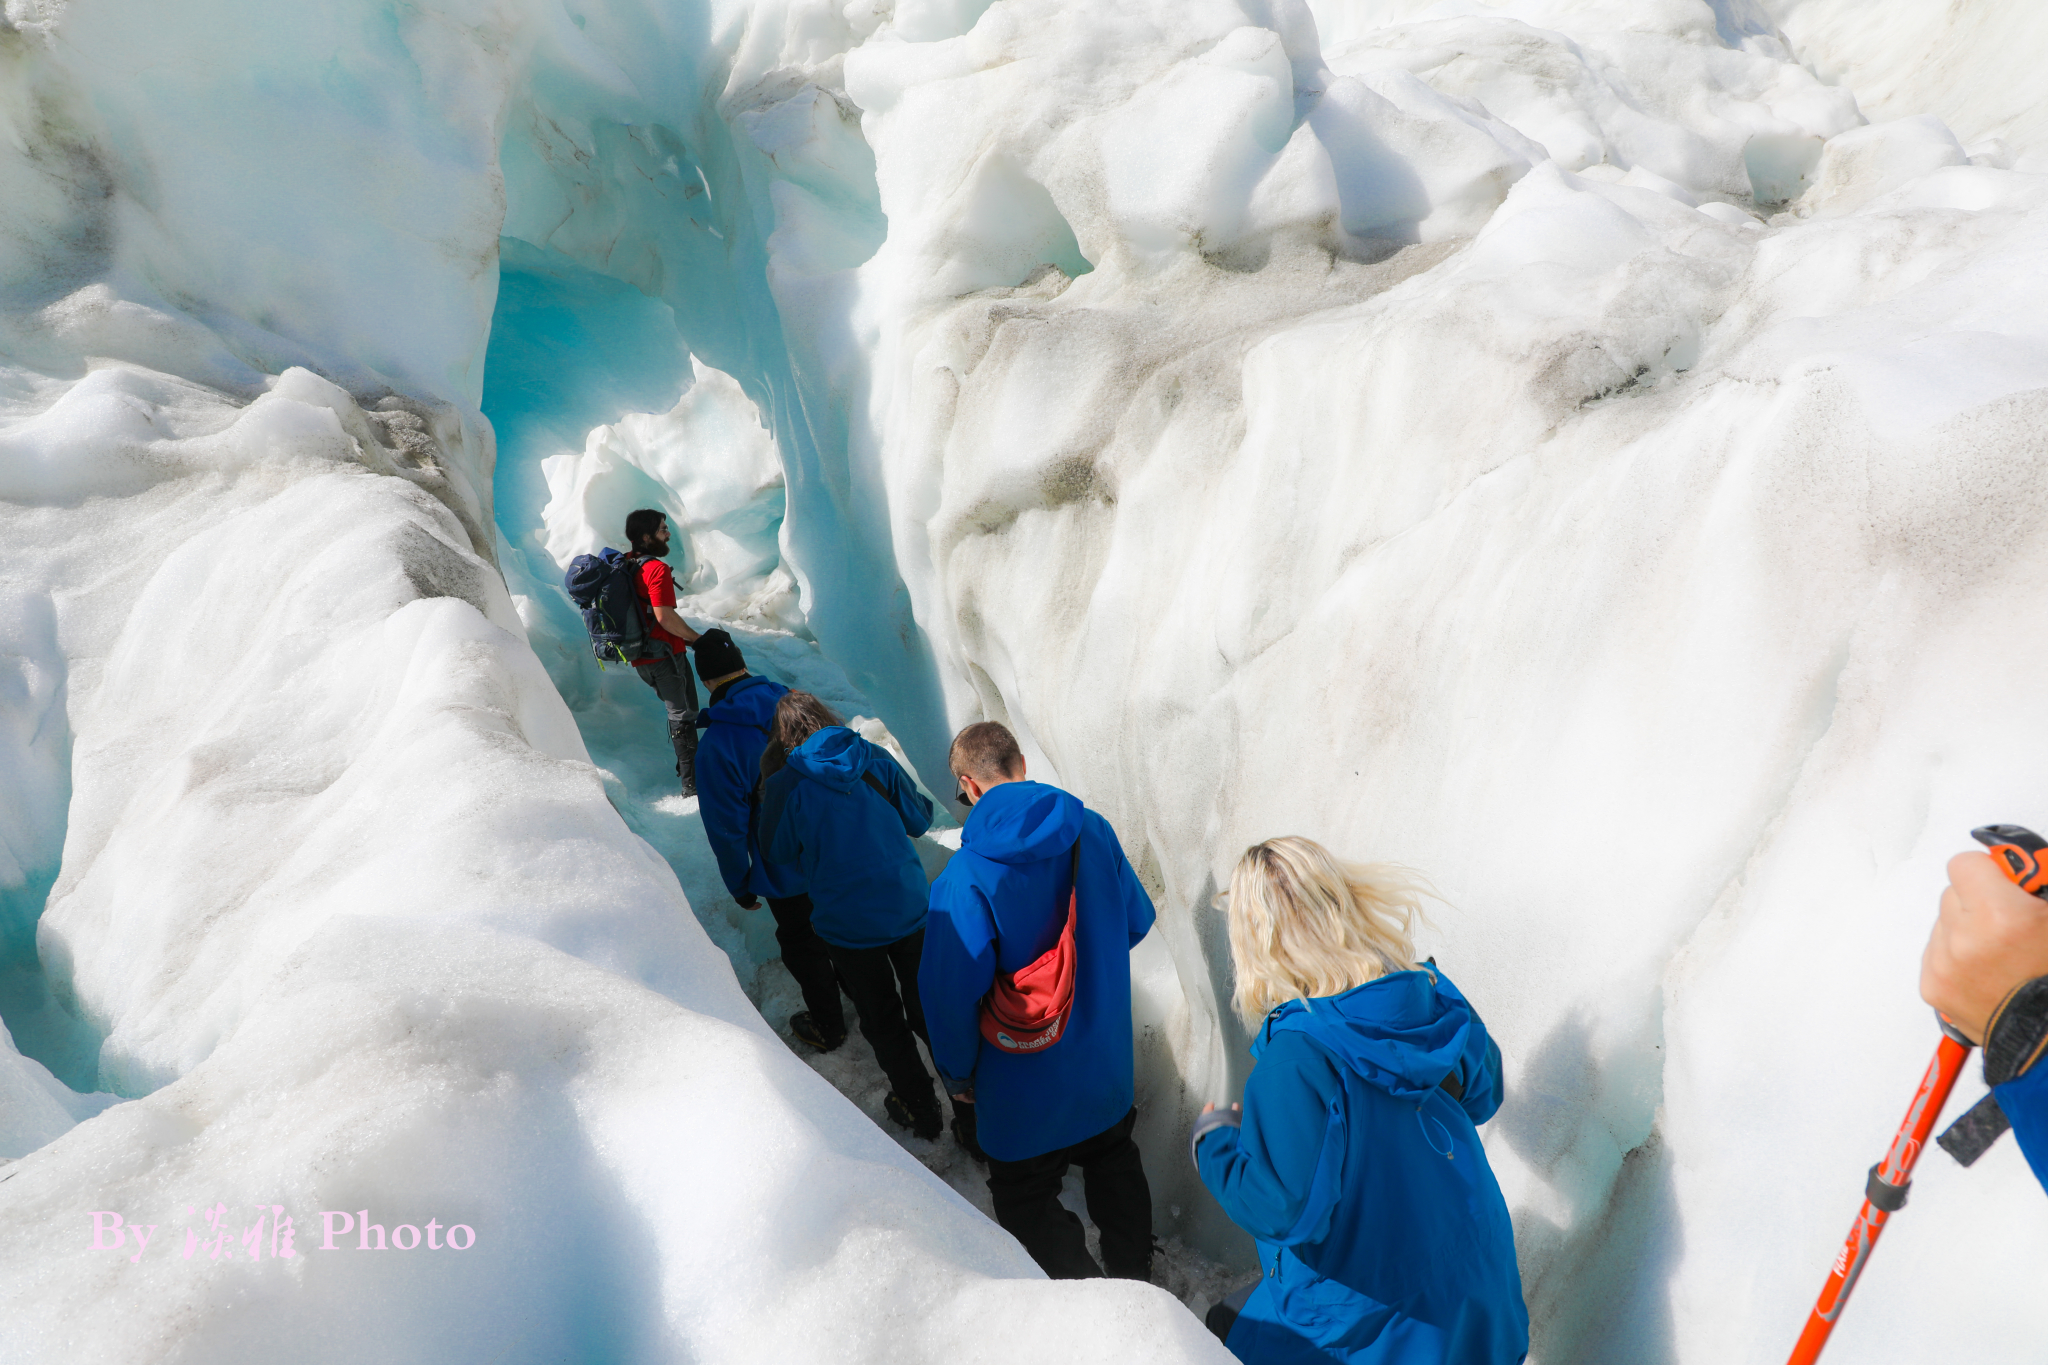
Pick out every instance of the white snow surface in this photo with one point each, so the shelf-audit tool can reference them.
(1587, 450)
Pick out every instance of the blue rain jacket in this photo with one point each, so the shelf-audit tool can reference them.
(850, 843)
(735, 727)
(2025, 1102)
(1000, 904)
(1383, 1235)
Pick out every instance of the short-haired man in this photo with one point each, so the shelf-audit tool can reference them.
(666, 671)
(736, 721)
(1000, 904)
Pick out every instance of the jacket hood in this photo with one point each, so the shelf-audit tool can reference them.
(1404, 1032)
(749, 701)
(835, 756)
(1022, 822)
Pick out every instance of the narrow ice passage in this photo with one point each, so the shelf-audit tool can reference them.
(569, 346)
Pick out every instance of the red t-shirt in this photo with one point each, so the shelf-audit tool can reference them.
(658, 589)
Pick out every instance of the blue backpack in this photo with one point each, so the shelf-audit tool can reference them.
(606, 587)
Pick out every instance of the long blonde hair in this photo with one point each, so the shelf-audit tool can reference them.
(1303, 924)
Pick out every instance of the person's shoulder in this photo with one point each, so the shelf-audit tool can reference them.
(1297, 1051)
(1096, 829)
(1094, 821)
(960, 887)
(965, 870)
(653, 570)
(874, 755)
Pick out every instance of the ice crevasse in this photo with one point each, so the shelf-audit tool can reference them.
(1586, 451)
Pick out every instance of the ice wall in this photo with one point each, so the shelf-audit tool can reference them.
(1559, 445)
(1976, 67)
(341, 899)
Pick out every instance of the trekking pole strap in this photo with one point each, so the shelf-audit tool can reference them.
(1971, 1136)
(2017, 1032)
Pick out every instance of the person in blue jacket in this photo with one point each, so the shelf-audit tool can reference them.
(728, 766)
(1354, 1160)
(844, 812)
(1986, 968)
(1001, 903)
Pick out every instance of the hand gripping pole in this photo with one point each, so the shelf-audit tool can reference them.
(2018, 852)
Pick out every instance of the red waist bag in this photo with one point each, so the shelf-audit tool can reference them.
(1026, 1010)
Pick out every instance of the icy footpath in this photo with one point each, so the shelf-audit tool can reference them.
(345, 896)
(624, 727)
(715, 468)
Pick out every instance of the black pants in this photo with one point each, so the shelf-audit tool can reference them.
(809, 960)
(1027, 1198)
(673, 682)
(883, 985)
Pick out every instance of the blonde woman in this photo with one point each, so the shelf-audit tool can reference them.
(1354, 1160)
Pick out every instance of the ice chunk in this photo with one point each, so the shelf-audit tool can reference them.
(1864, 163)
(1780, 166)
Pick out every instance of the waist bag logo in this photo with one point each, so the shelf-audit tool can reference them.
(1026, 1010)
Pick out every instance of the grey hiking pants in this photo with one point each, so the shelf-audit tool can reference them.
(673, 682)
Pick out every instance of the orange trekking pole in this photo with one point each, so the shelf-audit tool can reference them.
(2017, 851)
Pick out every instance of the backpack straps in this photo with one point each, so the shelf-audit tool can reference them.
(1073, 889)
(867, 777)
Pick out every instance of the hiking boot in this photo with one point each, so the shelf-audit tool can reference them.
(963, 1133)
(805, 1029)
(926, 1122)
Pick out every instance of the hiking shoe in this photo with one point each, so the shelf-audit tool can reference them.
(805, 1029)
(963, 1133)
(926, 1123)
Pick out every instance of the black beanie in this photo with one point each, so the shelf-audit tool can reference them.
(717, 655)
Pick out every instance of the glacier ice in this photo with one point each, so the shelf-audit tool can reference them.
(710, 464)
(1587, 450)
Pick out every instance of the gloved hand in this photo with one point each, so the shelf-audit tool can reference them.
(1208, 1121)
(749, 902)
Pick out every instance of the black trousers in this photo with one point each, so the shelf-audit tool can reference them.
(883, 985)
(1027, 1199)
(809, 960)
(673, 682)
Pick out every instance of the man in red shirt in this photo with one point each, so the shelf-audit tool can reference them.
(667, 672)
